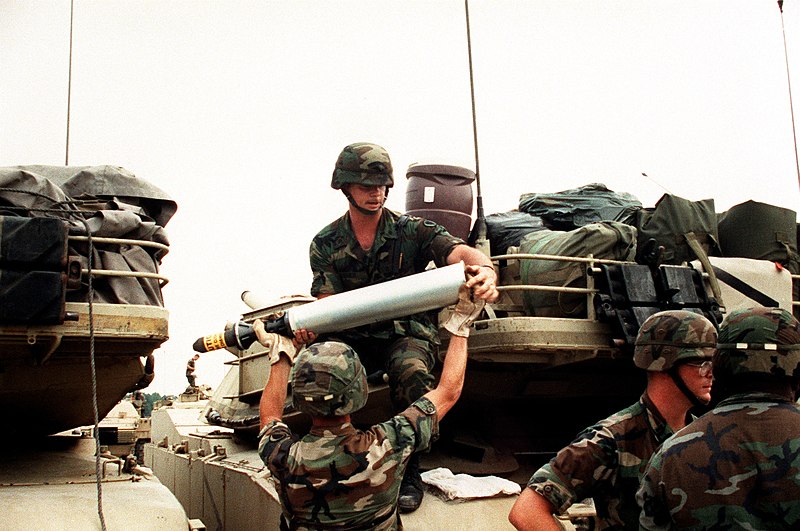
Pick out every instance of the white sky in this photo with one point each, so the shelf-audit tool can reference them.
(239, 109)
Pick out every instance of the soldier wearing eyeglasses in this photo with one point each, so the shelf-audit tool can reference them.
(738, 466)
(606, 461)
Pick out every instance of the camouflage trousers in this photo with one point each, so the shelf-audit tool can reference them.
(407, 361)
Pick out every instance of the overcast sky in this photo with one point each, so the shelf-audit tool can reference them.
(239, 109)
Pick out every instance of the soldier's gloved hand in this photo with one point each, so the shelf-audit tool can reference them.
(276, 343)
(461, 317)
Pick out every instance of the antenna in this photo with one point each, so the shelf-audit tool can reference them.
(656, 183)
(789, 83)
(69, 79)
(480, 222)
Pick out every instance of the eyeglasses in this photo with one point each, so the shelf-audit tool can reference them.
(704, 368)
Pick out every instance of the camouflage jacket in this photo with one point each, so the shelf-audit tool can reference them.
(736, 467)
(339, 264)
(343, 478)
(605, 462)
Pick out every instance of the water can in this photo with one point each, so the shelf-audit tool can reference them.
(443, 194)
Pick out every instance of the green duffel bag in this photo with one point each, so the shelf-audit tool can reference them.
(605, 239)
(763, 232)
(675, 224)
(760, 231)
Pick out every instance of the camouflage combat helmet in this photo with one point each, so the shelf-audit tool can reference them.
(673, 335)
(363, 163)
(328, 380)
(758, 340)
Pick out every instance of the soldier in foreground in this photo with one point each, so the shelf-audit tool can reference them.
(606, 461)
(339, 477)
(370, 244)
(737, 467)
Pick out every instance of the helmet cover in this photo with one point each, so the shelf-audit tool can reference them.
(667, 338)
(328, 380)
(363, 163)
(759, 340)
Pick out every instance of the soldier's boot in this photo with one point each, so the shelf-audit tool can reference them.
(411, 491)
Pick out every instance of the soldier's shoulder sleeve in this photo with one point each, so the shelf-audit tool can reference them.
(432, 240)
(548, 484)
(274, 442)
(323, 249)
(417, 425)
(323, 244)
(578, 469)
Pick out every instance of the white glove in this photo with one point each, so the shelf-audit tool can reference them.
(458, 319)
(281, 345)
(276, 343)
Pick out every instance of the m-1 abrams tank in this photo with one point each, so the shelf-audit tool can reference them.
(550, 357)
(57, 305)
(81, 313)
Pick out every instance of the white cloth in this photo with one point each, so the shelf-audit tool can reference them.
(464, 486)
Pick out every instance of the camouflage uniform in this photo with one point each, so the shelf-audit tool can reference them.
(344, 478)
(735, 467)
(605, 462)
(406, 346)
(738, 466)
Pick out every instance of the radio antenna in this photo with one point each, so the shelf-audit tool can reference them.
(656, 183)
(789, 83)
(480, 222)
(69, 80)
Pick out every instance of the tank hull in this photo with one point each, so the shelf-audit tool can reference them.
(46, 384)
(50, 484)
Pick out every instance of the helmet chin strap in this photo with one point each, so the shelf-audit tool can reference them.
(680, 384)
(362, 209)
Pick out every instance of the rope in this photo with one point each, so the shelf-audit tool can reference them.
(94, 381)
(68, 203)
(65, 212)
